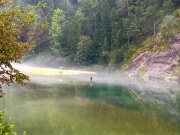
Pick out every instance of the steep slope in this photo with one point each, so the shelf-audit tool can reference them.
(164, 65)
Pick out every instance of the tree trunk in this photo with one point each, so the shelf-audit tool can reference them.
(154, 28)
(127, 2)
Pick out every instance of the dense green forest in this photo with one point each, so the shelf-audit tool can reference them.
(106, 32)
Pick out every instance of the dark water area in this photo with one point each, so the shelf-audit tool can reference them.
(109, 105)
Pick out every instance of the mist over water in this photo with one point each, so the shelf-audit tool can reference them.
(110, 104)
(144, 89)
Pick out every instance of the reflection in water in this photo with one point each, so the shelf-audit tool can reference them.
(73, 107)
(164, 95)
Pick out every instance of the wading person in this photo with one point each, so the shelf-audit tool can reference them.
(91, 80)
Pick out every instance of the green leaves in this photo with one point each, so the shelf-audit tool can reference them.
(13, 22)
(103, 59)
(40, 5)
(57, 22)
(5, 127)
(133, 31)
(82, 49)
(170, 25)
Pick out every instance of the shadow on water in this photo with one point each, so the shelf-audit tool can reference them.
(74, 107)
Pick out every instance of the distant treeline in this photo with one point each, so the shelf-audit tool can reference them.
(100, 31)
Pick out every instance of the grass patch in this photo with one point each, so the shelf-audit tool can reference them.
(51, 71)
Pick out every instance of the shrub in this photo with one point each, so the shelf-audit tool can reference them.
(5, 127)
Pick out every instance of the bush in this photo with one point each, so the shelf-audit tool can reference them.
(5, 127)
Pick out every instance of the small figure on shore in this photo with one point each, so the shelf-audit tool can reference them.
(61, 74)
(60, 69)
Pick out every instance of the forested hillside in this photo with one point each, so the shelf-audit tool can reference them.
(103, 31)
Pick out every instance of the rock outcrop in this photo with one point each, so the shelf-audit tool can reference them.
(163, 65)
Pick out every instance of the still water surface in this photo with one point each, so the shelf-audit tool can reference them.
(110, 106)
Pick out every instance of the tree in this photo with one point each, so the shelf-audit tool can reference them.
(12, 20)
(82, 49)
(176, 15)
(104, 52)
(88, 8)
(103, 13)
(176, 3)
(74, 32)
(167, 26)
(56, 30)
(170, 25)
(133, 31)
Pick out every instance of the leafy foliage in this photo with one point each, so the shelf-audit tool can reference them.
(56, 30)
(103, 58)
(13, 20)
(5, 127)
(170, 25)
(82, 49)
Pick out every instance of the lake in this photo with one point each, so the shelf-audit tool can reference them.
(110, 105)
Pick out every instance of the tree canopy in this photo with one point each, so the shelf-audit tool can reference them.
(120, 25)
(13, 20)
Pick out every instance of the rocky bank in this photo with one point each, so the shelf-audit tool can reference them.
(164, 65)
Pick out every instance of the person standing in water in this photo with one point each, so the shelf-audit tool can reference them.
(91, 80)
